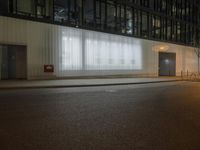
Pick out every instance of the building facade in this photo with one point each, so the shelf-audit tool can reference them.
(98, 37)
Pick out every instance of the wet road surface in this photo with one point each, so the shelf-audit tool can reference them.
(163, 116)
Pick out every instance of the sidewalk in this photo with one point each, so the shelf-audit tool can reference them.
(23, 84)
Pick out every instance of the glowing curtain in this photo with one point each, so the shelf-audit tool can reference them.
(71, 50)
(89, 50)
(111, 52)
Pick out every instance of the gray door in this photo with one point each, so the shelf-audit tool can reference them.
(14, 63)
(11, 62)
(167, 64)
(4, 62)
(21, 63)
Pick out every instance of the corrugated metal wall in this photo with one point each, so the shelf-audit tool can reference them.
(78, 52)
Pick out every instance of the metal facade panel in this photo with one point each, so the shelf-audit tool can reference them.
(45, 46)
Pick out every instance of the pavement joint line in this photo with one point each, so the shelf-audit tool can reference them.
(84, 85)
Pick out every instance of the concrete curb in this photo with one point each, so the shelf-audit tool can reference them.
(84, 85)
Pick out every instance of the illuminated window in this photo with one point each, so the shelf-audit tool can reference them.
(89, 50)
(108, 52)
(71, 55)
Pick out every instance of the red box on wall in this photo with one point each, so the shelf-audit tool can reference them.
(49, 68)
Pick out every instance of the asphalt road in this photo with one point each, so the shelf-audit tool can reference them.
(162, 116)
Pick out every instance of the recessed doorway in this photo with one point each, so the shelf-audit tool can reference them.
(167, 64)
(13, 62)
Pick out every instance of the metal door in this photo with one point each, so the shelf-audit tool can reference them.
(167, 64)
(14, 63)
(11, 62)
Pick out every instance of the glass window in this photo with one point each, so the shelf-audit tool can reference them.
(103, 15)
(169, 29)
(88, 7)
(144, 3)
(183, 32)
(111, 13)
(178, 32)
(68, 11)
(129, 20)
(151, 4)
(163, 6)
(144, 19)
(3, 6)
(118, 18)
(163, 29)
(169, 7)
(32, 8)
(156, 27)
(123, 17)
(61, 10)
(174, 31)
(136, 22)
(25, 7)
(110, 52)
(97, 14)
(71, 50)
(174, 8)
(172, 20)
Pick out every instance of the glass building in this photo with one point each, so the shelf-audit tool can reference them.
(173, 21)
(173, 24)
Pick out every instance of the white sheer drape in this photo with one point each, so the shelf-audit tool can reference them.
(111, 52)
(89, 50)
(71, 50)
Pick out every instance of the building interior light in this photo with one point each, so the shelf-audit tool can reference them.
(160, 48)
(101, 51)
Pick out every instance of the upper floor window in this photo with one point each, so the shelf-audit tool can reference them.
(31, 8)
(144, 3)
(3, 6)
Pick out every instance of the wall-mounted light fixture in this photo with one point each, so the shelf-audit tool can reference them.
(160, 48)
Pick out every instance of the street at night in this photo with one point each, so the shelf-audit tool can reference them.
(159, 116)
(99, 74)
